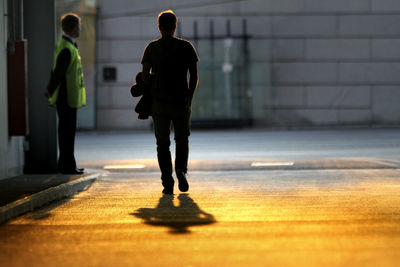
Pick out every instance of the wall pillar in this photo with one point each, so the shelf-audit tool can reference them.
(39, 29)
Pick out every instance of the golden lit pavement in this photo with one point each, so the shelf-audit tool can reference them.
(336, 217)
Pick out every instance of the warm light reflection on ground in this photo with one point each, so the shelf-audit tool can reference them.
(252, 218)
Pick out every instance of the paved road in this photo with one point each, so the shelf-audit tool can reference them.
(240, 144)
(303, 214)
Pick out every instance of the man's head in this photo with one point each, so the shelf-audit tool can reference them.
(71, 24)
(167, 22)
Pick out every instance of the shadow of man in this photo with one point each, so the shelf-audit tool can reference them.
(177, 218)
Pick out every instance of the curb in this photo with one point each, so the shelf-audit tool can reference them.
(41, 198)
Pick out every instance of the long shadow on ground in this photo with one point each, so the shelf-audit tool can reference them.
(177, 218)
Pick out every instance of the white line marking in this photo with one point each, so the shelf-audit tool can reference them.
(271, 164)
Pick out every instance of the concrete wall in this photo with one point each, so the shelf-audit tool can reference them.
(11, 148)
(331, 62)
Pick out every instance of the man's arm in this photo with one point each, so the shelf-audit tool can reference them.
(146, 72)
(58, 74)
(193, 80)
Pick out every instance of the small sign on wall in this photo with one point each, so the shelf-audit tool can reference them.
(109, 74)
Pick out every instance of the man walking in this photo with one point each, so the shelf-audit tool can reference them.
(170, 59)
(66, 90)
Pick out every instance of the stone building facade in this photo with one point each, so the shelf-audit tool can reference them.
(309, 62)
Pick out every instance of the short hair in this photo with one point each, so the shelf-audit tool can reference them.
(69, 22)
(167, 20)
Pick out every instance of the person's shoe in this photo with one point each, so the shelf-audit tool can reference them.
(182, 179)
(72, 171)
(168, 184)
(168, 191)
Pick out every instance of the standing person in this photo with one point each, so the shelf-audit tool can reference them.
(170, 59)
(66, 90)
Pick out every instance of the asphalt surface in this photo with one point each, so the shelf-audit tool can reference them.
(259, 198)
(245, 144)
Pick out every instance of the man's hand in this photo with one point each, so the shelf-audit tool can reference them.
(146, 73)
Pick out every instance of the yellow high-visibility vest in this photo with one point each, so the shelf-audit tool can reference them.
(76, 93)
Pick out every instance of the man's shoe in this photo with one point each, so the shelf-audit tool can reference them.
(72, 171)
(168, 191)
(168, 183)
(182, 179)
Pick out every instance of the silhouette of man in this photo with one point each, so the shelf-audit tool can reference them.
(170, 59)
(66, 90)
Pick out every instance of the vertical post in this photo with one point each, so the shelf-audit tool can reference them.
(16, 8)
(179, 30)
(228, 28)
(227, 68)
(212, 59)
(247, 90)
(96, 60)
(39, 28)
(195, 33)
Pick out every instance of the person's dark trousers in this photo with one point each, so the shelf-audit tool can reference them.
(179, 115)
(66, 136)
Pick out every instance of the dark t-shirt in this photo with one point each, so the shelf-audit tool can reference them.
(169, 59)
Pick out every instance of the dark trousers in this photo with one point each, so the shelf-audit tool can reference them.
(179, 115)
(66, 136)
